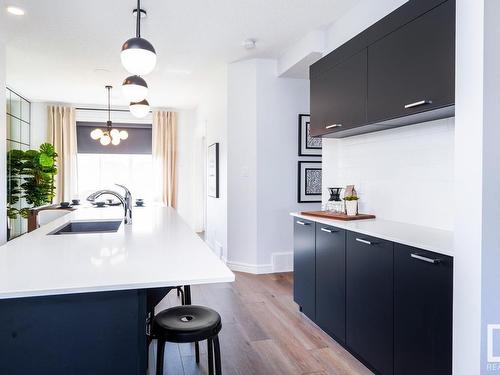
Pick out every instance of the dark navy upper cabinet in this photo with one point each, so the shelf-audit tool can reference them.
(370, 300)
(423, 309)
(399, 71)
(412, 70)
(304, 266)
(338, 96)
(330, 280)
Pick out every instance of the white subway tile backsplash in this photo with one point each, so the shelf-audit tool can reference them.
(403, 174)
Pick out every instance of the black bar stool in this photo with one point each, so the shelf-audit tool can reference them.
(186, 324)
(154, 296)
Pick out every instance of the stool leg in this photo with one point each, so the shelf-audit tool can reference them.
(187, 296)
(197, 351)
(160, 352)
(210, 357)
(218, 370)
(181, 292)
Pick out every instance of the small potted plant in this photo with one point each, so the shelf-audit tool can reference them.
(351, 205)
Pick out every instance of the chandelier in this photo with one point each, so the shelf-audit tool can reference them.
(109, 135)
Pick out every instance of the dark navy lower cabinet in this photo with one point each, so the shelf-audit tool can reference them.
(388, 304)
(330, 280)
(304, 260)
(370, 300)
(423, 303)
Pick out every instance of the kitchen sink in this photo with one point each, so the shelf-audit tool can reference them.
(97, 226)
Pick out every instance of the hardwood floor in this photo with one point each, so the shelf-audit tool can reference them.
(262, 332)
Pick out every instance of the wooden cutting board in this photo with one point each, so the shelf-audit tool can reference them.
(334, 216)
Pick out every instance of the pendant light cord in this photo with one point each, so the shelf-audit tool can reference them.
(109, 108)
(138, 24)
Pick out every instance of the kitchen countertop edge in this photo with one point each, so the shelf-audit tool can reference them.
(421, 237)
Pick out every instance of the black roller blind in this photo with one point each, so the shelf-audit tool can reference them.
(139, 139)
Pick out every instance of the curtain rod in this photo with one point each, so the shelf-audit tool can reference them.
(103, 109)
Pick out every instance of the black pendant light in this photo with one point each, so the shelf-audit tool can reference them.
(138, 56)
(135, 89)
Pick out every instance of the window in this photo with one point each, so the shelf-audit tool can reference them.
(129, 164)
(18, 112)
(99, 171)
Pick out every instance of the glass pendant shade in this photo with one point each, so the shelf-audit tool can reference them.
(139, 109)
(96, 134)
(135, 89)
(105, 140)
(115, 133)
(115, 141)
(123, 134)
(138, 56)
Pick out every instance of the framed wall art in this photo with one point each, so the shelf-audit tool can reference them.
(213, 170)
(309, 184)
(308, 146)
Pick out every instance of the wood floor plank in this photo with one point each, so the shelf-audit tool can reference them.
(263, 332)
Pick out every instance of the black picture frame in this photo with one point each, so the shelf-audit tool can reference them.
(213, 170)
(302, 195)
(304, 145)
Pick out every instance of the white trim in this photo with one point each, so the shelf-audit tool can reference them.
(259, 269)
(256, 269)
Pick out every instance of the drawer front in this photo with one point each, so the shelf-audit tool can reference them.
(369, 276)
(330, 280)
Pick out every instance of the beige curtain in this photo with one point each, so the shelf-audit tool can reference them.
(62, 133)
(165, 156)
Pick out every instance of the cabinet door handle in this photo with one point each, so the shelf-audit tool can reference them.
(425, 259)
(417, 104)
(333, 126)
(302, 223)
(329, 230)
(364, 241)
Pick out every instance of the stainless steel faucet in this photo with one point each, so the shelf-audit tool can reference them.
(126, 201)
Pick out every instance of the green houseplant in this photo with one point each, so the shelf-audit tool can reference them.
(351, 205)
(31, 176)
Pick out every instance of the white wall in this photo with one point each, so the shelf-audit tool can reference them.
(490, 258)
(477, 259)
(403, 174)
(279, 102)
(262, 164)
(39, 124)
(468, 179)
(242, 163)
(211, 115)
(3, 130)
(189, 170)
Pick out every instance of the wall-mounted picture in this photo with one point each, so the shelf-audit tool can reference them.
(309, 182)
(213, 170)
(308, 146)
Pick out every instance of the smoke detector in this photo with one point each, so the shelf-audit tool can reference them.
(249, 44)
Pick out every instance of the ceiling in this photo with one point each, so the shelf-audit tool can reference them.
(67, 51)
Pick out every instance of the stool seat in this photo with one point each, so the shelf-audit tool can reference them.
(189, 323)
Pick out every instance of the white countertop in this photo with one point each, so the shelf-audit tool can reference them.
(437, 240)
(157, 250)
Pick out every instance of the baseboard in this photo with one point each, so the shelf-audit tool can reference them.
(256, 269)
(281, 262)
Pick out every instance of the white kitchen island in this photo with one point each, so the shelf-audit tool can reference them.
(77, 303)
